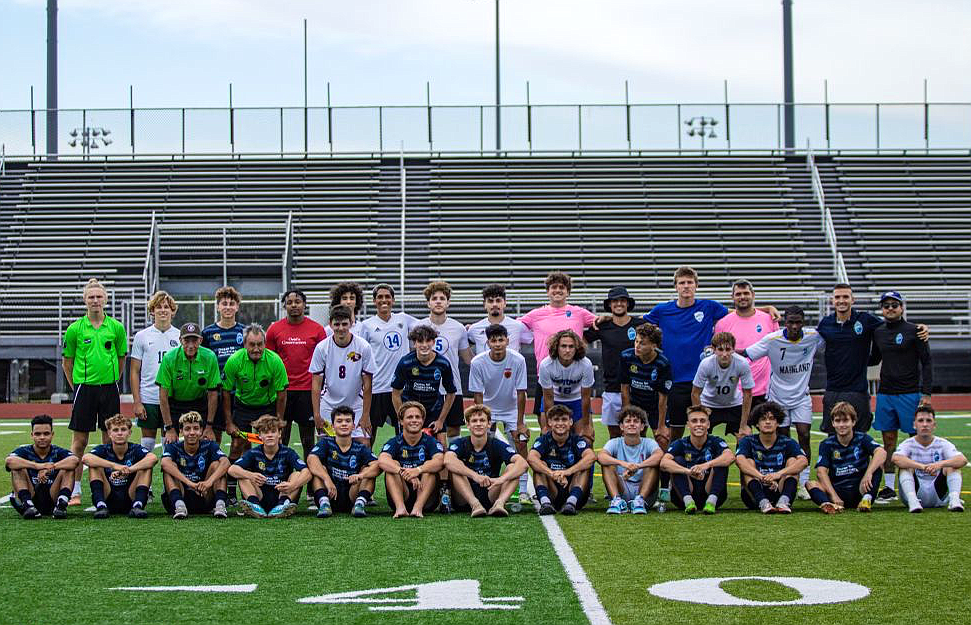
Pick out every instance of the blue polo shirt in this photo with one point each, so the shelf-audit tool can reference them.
(686, 333)
(847, 350)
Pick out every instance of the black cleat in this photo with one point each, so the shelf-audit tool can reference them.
(546, 509)
(30, 512)
(137, 512)
(568, 509)
(59, 513)
(101, 512)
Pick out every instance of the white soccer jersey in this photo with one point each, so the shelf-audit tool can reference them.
(389, 342)
(519, 334)
(566, 382)
(149, 346)
(792, 364)
(452, 337)
(499, 383)
(939, 449)
(342, 368)
(720, 386)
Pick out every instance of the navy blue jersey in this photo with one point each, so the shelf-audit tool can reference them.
(846, 463)
(646, 380)
(689, 455)
(225, 342)
(769, 459)
(687, 332)
(55, 454)
(132, 455)
(847, 350)
(614, 339)
(418, 382)
(411, 456)
(342, 464)
(277, 469)
(559, 457)
(194, 466)
(488, 460)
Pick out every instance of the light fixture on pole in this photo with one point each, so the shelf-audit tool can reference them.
(703, 127)
(89, 138)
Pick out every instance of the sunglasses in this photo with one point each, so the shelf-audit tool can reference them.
(890, 305)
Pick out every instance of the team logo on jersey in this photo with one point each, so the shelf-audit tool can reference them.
(421, 454)
(201, 463)
(437, 375)
(414, 371)
(404, 453)
(569, 313)
(631, 334)
(352, 463)
(181, 461)
(239, 338)
(758, 455)
(216, 336)
(937, 457)
(179, 376)
(653, 375)
(733, 379)
(87, 341)
(569, 457)
(507, 373)
(667, 385)
(858, 327)
(333, 454)
(353, 356)
(758, 328)
(687, 456)
(633, 368)
(899, 338)
(173, 342)
(836, 455)
(699, 315)
(261, 465)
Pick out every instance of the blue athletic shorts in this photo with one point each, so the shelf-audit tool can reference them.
(576, 406)
(896, 412)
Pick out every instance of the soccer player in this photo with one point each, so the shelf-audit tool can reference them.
(748, 325)
(120, 472)
(349, 294)
(791, 352)
(769, 463)
(849, 466)
(452, 343)
(615, 336)
(270, 475)
(698, 464)
(343, 469)
(224, 338)
(566, 376)
(934, 462)
(188, 380)
(630, 465)
(475, 464)
(411, 462)
(724, 384)
(494, 301)
(561, 463)
(342, 367)
(147, 350)
(387, 334)
(93, 359)
(497, 379)
(294, 338)
(645, 379)
(194, 472)
(41, 474)
(417, 378)
(905, 380)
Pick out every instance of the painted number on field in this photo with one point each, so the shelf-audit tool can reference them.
(708, 590)
(456, 594)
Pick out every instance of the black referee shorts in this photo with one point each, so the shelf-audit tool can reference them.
(93, 405)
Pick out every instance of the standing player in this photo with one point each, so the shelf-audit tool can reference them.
(224, 338)
(387, 334)
(349, 294)
(343, 469)
(148, 347)
(791, 352)
(93, 359)
(630, 465)
(120, 473)
(41, 474)
(769, 463)
(935, 463)
(194, 472)
(724, 383)
(187, 381)
(411, 462)
(566, 376)
(698, 464)
(294, 338)
(418, 376)
(497, 379)
(561, 463)
(849, 466)
(270, 475)
(905, 380)
(452, 343)
(645, 380)
(748, 325)
(615, 336)
(494, 301)
(342, 368)
(475, 464)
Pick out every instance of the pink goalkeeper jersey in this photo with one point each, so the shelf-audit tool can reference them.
(749, 331)
(546, 321)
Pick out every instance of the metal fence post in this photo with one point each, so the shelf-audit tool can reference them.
(878, 125)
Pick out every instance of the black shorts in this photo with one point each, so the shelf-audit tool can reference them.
(219, 421)
(193, 502)
(434, 499)
(758, 400)
(179, 408)
(699, 493)
(299, 408)
(731, 417)
(118, 500)
(244, 416)
(652, 414)
(93, 405)
(481, 493)
(679, 400)
(860, 403)
(560, 495)
(342, 502)
(42, 499)
(538, 400)
(382, 411)
(456, 414)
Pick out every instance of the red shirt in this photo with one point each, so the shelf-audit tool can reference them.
(295, 344)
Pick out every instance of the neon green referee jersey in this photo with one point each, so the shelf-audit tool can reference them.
(255, 383)
(187, 380)
(95, 350)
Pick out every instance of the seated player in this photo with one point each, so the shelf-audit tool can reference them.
(935, 463)
(769, 463)
(475, 467)
(724, 384)
(561, 463)
(704, 460)
(630, 465)
(849, 467)
(411, 462)
(343, 469)
(194, 472)
(41, 474)
(270, 475)
(121, 468)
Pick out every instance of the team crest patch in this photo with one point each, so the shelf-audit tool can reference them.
(687, 456)
(437, 375)
(353, 356)
(631, 334)
(758, 328)
(181, 461)
(668, 385)
(899, 339)
(239, 338)
(758, 455)
(179, 376)
(261, 465)
(733, 379)
(404, 453)
(858, 327)
(352, 463)
(653, 374)
(836, 455)
(699, 316)
(333, 454)
(421, 454)
(216, 336)
(633, 368)
(173, 342)
(507, 373)
(569, 313)
(414, 371)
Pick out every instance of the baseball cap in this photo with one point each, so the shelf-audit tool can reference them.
(189, 329)
(892, 295)
(618, 292)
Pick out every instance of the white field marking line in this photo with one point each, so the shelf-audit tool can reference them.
(589, 602)
(232, 588)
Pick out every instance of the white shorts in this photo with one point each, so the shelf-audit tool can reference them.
(630, 490)
(327, 407)
(927, 493)
(800, 413)
(507, 423)
(610, 410)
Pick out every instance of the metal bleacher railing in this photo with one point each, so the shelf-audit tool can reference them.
(839, 267)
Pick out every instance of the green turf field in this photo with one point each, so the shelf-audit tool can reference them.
(915, 566)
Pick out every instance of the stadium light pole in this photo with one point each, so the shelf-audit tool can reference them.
(52, 79)
(498, 105)
(788, 91)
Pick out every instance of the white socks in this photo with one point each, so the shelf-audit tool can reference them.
(908, 489)
(888, 479)
(954, 487)
(77, 490)
(148, 444)
(804, 476)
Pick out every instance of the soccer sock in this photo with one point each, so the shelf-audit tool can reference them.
(141, 496)
(360, 501)
(818, 496)
(575, 493)
(231, 482)
(756, 490)
(253, 499)
(98, 493)
(364, 494)
(63, 497)
(24, 496)
(789, 489)
(320, 496)
(804, 476)
(888, 480)
(148, 444)
(875, 487)
(221, 495)
(77, 490)
(543, 494)
(908, 489)
(784, 500)
(524, 483)
(712, 499)
(954, 487)
(664, 480)
(175, 496)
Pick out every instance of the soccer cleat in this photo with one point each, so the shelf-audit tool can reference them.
(916, 509)
(30, 512)
(783, 508)
(219, 511)
(803, 493)
(617, 506)
(370, 503)
(181, 511)
(137, 512)
(359, 512)
(101, 512)
(283, 510)
(591, 498)
(865, 505)
(638, 507)
(251, 509)
(957, 506)
(324, 510)
(59, 513)
(525, 499)
(829, 507)
(886, 495)
(546, 509)
(690, 507)
(709, 508)
(568, 509)
(765, 507)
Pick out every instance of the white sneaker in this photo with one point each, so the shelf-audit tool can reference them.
(181, 511)
(220, 510)
(802, 493)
